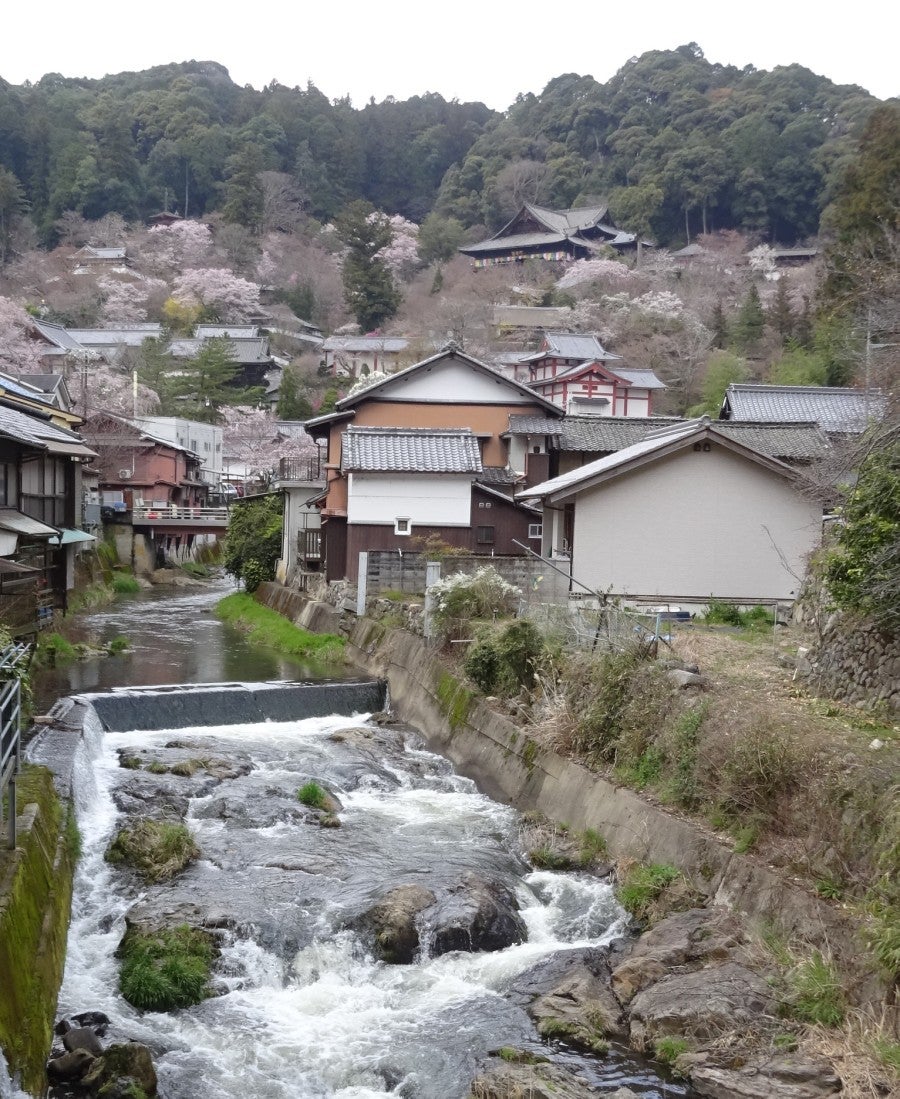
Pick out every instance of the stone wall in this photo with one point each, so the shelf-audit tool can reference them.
(853, 661)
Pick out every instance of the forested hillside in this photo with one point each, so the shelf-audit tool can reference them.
(677, 143)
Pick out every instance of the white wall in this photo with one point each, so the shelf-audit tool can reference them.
(451, 380)
(443, 500)
(696, 524)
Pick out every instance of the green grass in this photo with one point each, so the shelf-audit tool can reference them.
(124, 584)
(888, 1052)
(593, 847)
(669, 1049)
(54, 649)
(167, 969)
(643, 885)
(118, 645)
(156, 849)
(270, 630)
(314, 796)
(815, 993)
(454, 699)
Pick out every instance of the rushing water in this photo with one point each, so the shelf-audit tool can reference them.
(302, 1009)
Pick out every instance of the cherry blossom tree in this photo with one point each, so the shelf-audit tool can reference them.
(174, 247)
(20, 352)
(402, 254)
(218, 293)
(595, 270)
(251, 436)
(125, 302)
(96, 386)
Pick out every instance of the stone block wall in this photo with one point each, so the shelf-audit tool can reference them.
(854, 662)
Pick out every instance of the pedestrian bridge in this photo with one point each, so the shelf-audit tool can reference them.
(175, 519)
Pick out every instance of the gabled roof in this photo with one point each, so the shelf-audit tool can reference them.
(569, 221)
(40, 433)
(241, 350)
(833, 409)
(636, 377)
(210, 331)
(571, 345)
(90, 251)
(406, 450)
(657, 444)
(57, 335)
(382, 388)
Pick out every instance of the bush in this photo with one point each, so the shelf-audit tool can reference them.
(165, 970)
(502, 663)
(462, 598)
(815, 992)
(124, 583)
(253, 543)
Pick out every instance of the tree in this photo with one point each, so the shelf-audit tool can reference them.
(19, 353)
(369, 289)
(292, 403)
(253, 543)
(439, 238)
(12, 207)
(203, 384)
(719, 326)
(243, 190)
(780, 315)
(750, 324)
(724, 369)
(863, 572)
(219, 294)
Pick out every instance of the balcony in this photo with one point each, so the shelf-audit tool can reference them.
(307, 471)
(174, 516)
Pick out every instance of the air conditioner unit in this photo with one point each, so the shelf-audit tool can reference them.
(124, 474)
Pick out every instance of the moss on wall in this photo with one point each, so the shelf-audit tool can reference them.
(35, 899)
(454, 699)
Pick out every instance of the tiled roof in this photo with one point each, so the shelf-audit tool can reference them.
(498, 475)
(365, 343)
(530, 316)
(39, 433)
(569, 221)
(377, 449)
(57, 335)
(251, 350)
(517, 240)
(608, 434)
(573, 345)
(93, 252)
(210, 331)
(643, 379)
(133, 335)
(836, 410)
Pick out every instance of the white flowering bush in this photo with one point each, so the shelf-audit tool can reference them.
(462, 598)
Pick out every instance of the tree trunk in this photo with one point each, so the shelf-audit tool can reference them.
(687, 225)
(704, 217)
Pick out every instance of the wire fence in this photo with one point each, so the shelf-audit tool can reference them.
(605, 627)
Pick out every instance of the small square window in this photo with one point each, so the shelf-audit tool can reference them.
(402, 526)
(484, 535)
(535, 530)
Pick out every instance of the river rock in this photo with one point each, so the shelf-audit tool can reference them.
(475, 915)
(82, 1037)
(394, 922)
(701, 1005)
(69, 1066)
(502, 1079)
(580, 1007)
(788, 1076)
(119, 1070)
(685, 940)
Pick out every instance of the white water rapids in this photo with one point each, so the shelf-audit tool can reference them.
(323, 1018)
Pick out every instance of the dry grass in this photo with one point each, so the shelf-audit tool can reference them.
(853, 1050)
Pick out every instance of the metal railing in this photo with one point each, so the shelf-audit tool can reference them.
(300, 469)
(10, 732)
(309, 545)
(174, 512)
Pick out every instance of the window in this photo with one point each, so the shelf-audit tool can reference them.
(484, 535)
(485, 503)
(402, 526)
(535, 530)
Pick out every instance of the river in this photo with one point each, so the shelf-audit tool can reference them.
(301, 1009)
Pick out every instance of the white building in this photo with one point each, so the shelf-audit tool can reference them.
(205, 440)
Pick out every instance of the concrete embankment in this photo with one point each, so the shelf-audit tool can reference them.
(490, 748)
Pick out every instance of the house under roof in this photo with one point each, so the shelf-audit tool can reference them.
(129, 335)
(839, 411)
(233, 331)
(410, 450)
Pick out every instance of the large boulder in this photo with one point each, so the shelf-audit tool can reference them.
(701, 1005)
(82, 1037)
(475, 915)
(787, 1076)
(394, 923)
(686, 940)
(579, 1008)
(120, 1071)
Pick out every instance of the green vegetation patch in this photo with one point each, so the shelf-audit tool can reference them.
(34, 923)
(454, 699)
(156, 849)
(124, 583)
(815, 992)
(165, 969)
(267, 628)
(649, 892)
(314, 796)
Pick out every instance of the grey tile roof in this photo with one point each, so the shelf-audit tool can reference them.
(607, 434)
(255, 350)
(573, 345)
(570, 221)
(57, 335)
(365, 343)
(530, 316)
(92, 252)
(834, 410)
(643, 379)
(133, 335)
(498, 475)
(517, 240)
(410, 451)
(209, 331)
(36, 432)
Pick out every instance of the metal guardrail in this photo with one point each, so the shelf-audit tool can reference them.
(11, 732)
(300, 469)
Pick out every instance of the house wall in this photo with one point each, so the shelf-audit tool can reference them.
(506, 524)
(453, 381)
(695, 524)
(427, 500)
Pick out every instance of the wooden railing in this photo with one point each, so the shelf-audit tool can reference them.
(11, 658)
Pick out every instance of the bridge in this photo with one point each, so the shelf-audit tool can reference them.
(174, 519)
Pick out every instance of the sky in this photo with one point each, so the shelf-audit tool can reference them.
(484, 50)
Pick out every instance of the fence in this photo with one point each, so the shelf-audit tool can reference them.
(10, 732)
(585, 625)
(390, 570)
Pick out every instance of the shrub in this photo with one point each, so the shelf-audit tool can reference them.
(156, 849)
(669, 1049)
(759, 768)
(253, 543)
(125, 584)
(463, 598)
(502, 663)
(167, 969)
(118, 645)
(643, 886)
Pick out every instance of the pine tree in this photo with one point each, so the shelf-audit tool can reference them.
(369, 289)
(750, 323)
(781, 316)
(719, 326)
